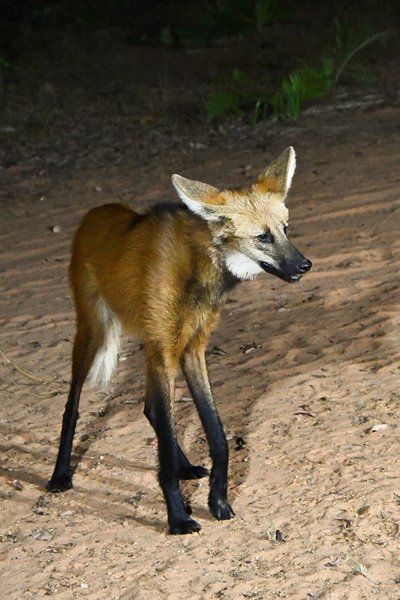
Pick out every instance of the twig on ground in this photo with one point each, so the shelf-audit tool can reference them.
(14, 366)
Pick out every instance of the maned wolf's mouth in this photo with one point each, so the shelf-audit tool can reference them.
(288, 277)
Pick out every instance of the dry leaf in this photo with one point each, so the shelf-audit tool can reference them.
(378, 427)
(217, 351)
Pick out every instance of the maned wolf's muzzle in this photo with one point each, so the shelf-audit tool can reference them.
(291, 270)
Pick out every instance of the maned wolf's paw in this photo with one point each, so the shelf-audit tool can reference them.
(221, 509)
(193, 472)
(184, 526)
(59, 484)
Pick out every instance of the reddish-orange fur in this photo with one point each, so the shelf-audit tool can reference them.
(267, 186)
(142, 268)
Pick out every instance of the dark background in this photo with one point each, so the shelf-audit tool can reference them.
(88, 82)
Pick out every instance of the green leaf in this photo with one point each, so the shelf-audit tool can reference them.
(220, 104)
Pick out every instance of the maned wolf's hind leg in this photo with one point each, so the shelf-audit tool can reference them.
(195, 371)
(159, 400)
(189, 471)
(186, 469)
(88, 340)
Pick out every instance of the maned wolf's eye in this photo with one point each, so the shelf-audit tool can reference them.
(266, 238)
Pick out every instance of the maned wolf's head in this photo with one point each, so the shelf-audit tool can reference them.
(250, 225)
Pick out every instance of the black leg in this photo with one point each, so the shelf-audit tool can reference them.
(195, 371)
(159, 396)
(186, 469)
(85, 348)
(189, 471)
(61, 480)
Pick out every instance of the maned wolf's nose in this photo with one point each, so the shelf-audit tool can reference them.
(304, 266)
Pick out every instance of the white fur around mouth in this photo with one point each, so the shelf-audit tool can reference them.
(243, 267)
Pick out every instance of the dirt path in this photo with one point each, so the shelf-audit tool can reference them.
(310, 370)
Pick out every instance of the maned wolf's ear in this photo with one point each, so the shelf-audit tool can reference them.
(201, 198)
(278, 176)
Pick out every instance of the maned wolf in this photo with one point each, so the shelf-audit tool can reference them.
(165, 275)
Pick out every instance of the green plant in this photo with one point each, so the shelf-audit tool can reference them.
(309, 83)
(267, 12)
(222, 103)
(226, 99)
(349, 40)
(304, 84)
(257, 111)
(232, 93)
(235, 92)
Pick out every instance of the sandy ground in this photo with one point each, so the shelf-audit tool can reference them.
(307, 389)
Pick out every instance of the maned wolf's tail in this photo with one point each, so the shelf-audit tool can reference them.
(105, 360)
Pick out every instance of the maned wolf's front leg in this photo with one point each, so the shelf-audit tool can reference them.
(195, 371)
(159, 399)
